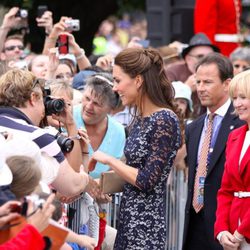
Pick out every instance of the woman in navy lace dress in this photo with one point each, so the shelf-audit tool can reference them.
(154, 138)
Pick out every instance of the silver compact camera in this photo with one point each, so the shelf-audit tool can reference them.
(22, 13)
(72, 25)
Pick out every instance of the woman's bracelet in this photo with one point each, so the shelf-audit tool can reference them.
(85, 153)
(81, 55)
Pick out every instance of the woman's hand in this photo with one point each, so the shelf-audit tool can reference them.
(98, 156)
(103, 198)
(58, 28)
(10, 20)
(86, 241)
(40, 219)
(84, 140)
(228, 242)
(8, 207)
(105, 62)
(93, 188)
(74, 47)
(45, 21)
(7, 213)
(53, 63)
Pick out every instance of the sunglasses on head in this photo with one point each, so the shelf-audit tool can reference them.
(39, 82)
(20, 47)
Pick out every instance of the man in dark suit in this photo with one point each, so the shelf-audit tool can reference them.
(213, 75)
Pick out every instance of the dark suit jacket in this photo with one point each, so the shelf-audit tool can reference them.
(214, 173)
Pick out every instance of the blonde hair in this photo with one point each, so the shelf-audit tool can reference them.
(16, 86)
(61, 86)
(240, 82)
(26, 175)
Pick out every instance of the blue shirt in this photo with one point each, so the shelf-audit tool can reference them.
(112, 144)
(220, 113)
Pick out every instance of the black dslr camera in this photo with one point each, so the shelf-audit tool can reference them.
(66, 144)
(52, 106)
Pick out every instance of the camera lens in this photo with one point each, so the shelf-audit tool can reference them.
(65, 143)
(53, 106)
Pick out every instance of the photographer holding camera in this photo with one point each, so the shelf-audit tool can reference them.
(21, 98)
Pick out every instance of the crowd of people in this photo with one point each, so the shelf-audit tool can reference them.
(129, 108)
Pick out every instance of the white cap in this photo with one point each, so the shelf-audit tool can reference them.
(20, 145)
(69, 57)
(183, 91)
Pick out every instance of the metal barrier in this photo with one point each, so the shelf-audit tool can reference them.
(113, 210)
(176, 201)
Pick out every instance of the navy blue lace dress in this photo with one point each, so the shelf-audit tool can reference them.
(151, 148)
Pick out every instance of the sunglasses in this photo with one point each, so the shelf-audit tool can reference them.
(40, 83)
(20, 47)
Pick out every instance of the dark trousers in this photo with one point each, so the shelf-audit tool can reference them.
(197, 238)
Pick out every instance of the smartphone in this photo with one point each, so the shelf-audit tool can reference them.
(144, 43)
(62, 44)
(41, 9)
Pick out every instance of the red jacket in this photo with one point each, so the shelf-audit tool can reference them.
(218, 17)
(28, 238)
(231, 209)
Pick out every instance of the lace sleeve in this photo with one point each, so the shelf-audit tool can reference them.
(164, 143)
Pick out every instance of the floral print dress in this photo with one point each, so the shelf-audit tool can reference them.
(151, 148)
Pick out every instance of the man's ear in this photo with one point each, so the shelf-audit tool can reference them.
(226, 83)
(33, 98)
(138, 81)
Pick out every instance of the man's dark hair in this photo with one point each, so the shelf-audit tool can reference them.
(224, 65)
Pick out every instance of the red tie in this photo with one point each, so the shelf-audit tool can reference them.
(201, 172)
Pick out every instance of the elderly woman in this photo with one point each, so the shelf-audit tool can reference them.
(240, 59)
(104, 132)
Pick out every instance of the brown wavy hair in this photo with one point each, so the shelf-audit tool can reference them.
(149, 64)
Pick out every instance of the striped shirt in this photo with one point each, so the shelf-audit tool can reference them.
(16, 122)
